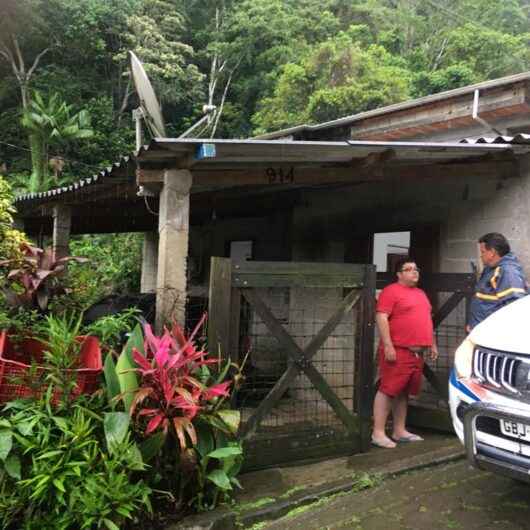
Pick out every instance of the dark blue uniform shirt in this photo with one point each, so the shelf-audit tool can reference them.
(497, 287)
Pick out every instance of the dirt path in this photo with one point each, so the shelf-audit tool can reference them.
(454, 496)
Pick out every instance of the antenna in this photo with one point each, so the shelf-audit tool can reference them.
(209, 112)
(149, 109)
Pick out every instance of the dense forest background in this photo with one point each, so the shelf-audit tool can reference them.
(65, 90)
(66, 97)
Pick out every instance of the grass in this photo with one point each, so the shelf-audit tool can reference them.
(254, 505)
(292, 491)
(258, 526)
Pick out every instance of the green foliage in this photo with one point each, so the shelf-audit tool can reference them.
(267, 54)
(61, 352)
(51, 123)
(115, 266)
(154, 33)
(176, 402)
(70, 469)
(335, 79)
(10, 239)
(111, 329)
(125, 368)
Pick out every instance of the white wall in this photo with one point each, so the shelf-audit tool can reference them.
(382, 242)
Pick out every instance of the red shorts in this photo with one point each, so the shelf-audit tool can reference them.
(401, 376)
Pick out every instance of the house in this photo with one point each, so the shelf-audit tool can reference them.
(314, 194)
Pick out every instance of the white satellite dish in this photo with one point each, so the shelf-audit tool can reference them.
(149, 105)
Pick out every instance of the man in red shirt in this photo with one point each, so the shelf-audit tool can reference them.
(405, 325)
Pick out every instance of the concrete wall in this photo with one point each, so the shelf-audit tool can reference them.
(328, 225)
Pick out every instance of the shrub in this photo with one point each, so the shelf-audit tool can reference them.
(10, 239)
(177, 395)
(68, 468)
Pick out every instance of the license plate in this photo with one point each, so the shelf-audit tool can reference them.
(515, 429)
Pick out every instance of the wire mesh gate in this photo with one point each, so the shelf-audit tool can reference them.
(308, 329)
(450, 294)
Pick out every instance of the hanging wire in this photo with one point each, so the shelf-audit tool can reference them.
(20, 148)
(149, 208)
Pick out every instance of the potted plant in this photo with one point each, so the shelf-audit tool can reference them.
(30, 337)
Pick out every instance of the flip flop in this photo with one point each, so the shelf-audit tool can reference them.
(384, 444)
(408, 439)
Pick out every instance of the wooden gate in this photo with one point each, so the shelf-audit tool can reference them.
(308, 329)
(450, 294)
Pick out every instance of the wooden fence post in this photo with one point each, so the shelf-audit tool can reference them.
(219, 307)
(366, 359)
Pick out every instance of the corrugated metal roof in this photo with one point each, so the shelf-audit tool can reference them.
(221, 155)
(518, 139)
(426, 100)
(240, 152)
(102, 177)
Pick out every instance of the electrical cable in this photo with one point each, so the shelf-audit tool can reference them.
(148, 207)
(20, 148)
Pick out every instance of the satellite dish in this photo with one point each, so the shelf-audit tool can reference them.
(148, 101)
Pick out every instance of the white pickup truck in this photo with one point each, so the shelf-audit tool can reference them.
(489, 392)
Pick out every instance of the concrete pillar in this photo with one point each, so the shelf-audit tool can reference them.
(149, 263)
(173, 228)
(62, 221)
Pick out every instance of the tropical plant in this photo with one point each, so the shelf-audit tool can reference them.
(111, 329)
(51, 123)
(69, 469)
(35, 278)
(170, 395)
(61, 348)
(176, 394)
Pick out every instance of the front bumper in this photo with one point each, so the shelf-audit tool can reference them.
(491, 452)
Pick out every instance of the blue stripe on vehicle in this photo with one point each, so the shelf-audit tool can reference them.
(463, 388)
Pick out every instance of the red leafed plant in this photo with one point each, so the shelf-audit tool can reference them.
(171, 392)
(33, 280)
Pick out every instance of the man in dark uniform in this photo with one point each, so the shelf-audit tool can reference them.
(502, 281)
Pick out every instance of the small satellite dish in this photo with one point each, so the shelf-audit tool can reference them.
(148, 101)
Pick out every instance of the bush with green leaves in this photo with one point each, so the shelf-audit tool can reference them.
(111, 329)
(116, 266)
(177, 395)
(70, 467)
(10, 239)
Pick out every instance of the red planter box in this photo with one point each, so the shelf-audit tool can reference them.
(16, 359)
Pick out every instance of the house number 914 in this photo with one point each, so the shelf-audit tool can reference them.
(280, 175)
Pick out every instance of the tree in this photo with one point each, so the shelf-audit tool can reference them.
(336, 78)
(21, 27)
(51, 123)
(154, 34)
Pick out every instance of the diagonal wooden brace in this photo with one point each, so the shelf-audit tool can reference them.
(301, 361)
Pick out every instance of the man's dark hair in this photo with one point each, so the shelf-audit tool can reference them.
(401, 261)
(496, 241)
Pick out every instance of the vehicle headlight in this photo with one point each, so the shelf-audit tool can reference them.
(464, 359)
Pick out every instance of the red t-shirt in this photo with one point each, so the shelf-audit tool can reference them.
(409, 315)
